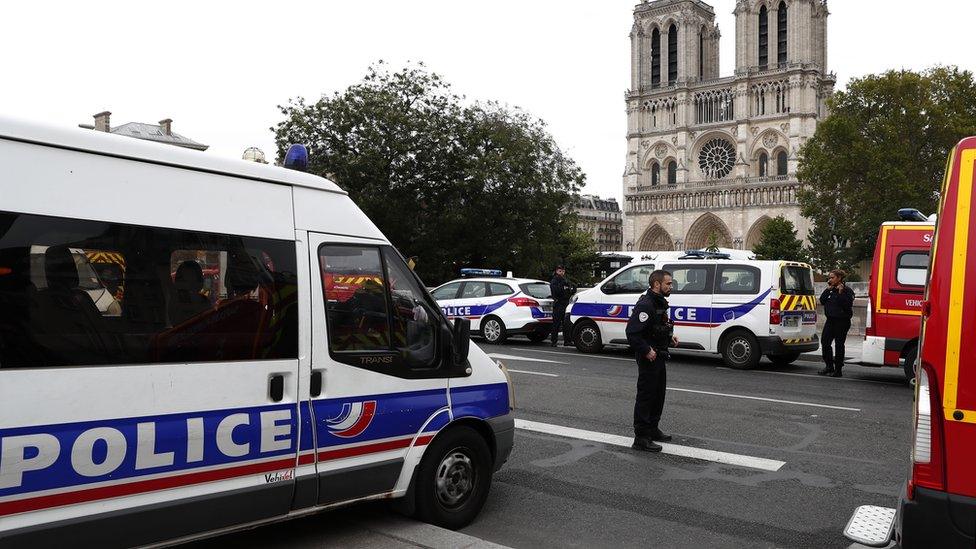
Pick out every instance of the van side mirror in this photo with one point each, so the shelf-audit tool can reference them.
(461, 335)
(610, 288)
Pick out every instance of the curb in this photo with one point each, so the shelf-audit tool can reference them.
(422, 534)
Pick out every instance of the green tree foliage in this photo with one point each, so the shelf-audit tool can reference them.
(455, 184)
(778, 241)
(883, 147)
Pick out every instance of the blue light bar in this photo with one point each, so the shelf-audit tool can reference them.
(297, 158)
(481, 272)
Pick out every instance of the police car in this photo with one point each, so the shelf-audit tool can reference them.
(740, 308)
(498, 307)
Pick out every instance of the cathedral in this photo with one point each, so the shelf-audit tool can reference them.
(711, 159)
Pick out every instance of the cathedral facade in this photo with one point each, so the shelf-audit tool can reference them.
(711, 159)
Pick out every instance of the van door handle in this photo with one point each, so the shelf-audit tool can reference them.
(315, 387)
(276, 387)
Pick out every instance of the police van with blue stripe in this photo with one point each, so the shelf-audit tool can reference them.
(242, 378)
(743, 309)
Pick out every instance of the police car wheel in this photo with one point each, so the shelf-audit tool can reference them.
(741, 350)
(587, 338)
(493, 330)
(453, 478)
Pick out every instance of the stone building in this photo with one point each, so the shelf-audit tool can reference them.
(713, 158)
(160, 133)
(601, 219)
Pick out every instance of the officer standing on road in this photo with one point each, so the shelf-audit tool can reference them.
(838, 304)
(650, 332)
(561, 291)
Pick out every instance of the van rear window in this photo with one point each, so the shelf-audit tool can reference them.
(795, 280)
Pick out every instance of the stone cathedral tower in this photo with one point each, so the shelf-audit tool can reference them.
(710, 156)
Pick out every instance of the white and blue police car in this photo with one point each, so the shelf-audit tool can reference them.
(498, 307)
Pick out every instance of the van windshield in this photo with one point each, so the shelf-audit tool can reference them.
(795, 280)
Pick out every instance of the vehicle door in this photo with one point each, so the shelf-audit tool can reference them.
(617, 298)
(740, 299)
(473, 301)
(691, 304)
(446, 297)
(377, 378)
(180, 407)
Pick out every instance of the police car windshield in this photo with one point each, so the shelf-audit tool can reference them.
(538, 290)
(796, 280)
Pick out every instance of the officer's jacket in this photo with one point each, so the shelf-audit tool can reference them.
(561, 289)
(649, 326)
(838, 304)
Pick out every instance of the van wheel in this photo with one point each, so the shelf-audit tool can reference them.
(911, 356)
(783, 360)
(493, 330)
(536, 337)
(741, 350)
(587, 337)
(453, 478)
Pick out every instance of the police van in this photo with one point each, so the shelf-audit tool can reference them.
(742, 309)
(185, 414)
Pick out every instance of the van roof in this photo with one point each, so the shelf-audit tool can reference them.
(103, 143)
(919, 224)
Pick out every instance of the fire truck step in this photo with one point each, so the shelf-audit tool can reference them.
(871, 525)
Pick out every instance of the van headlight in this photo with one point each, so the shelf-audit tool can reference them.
(509, 384)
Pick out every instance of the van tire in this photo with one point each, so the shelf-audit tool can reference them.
(587, 338)
(453, 478)
(911, 356)
(493, 330)
(740, 350)
(783, 360)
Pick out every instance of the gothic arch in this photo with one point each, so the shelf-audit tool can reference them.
(758, 144)
(755, 232)
(701, 231)
(650, 156)
(655, 239)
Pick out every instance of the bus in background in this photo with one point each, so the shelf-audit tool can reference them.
(938, 506)
(895, 291)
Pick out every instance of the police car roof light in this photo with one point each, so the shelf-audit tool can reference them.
(467, 272)
(704, 254)
(297, 157)
(911, 214)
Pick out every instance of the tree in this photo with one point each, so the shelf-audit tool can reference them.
(778, 240)
(883, 147)
(456, 185)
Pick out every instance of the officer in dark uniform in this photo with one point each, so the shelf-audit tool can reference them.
(650, 332)
(561, 290)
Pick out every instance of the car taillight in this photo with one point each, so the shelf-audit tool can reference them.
(927, 461)
(774, 313)
(523, 302)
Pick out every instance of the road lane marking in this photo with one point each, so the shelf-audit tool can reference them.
(533, 373)
(812, 404)
(524, 358)
(667, 448)
(814, 376)
(583, 355)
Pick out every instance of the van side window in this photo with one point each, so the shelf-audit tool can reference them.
(691, 279)
(632, 281)
(85, 293)
(737, 279)
(912, 268)
(414, 319)
(352, 278)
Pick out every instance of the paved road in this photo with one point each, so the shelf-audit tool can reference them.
(838, 443)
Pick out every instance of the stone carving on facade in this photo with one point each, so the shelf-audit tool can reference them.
(770, 139)
(645, 144)
(660, 150)
(674, 140)
(785, 126)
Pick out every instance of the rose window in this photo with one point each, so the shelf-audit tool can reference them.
(716, 159)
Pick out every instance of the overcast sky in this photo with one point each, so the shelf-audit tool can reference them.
(219, 69)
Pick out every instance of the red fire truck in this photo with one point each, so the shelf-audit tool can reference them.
(938, 506)
(895, 291)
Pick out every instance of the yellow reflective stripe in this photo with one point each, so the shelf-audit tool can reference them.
(957, 284)
(881, 262)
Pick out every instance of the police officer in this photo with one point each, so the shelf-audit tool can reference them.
(561, 291)
(650, 332)
(838, 304)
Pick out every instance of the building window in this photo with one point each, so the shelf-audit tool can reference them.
(781, 50)
(716, 159)
(655, 174)
(701, 54)
(763, 38)
(655, 58)
(672, 55)
(672, 173)
(781, 163)
(763, 165)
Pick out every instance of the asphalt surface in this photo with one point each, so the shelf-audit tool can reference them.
(845, 442)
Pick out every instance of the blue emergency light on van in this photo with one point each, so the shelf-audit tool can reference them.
(480, 272)
(297, 157)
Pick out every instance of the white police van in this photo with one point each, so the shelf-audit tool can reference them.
(498, 307)
(739, 308)
(279, 392)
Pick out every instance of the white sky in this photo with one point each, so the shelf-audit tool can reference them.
(219, 69)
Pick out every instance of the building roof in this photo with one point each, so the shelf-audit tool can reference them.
(593, 202)
(146, 151)
(155, 132)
